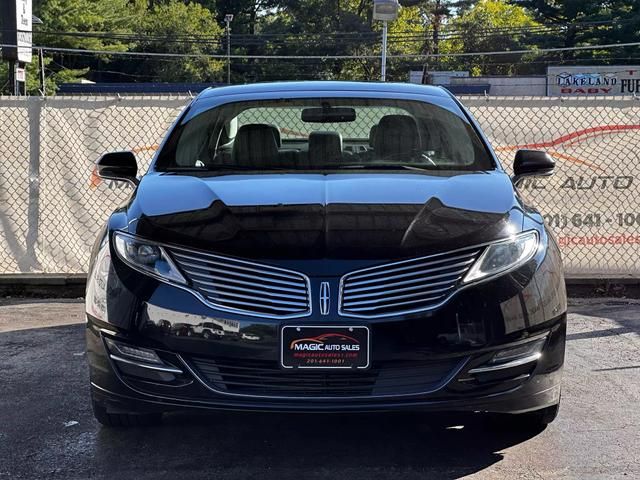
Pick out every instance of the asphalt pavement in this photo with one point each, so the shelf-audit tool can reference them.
(47, 429)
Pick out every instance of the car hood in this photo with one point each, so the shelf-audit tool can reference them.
(326, 216)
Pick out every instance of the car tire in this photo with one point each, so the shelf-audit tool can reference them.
(124, 419)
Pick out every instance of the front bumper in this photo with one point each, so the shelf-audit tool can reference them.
(237, 368)
(531, 386)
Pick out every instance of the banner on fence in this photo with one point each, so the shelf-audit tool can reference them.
(593, 80)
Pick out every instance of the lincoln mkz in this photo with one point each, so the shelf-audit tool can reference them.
(325, 247)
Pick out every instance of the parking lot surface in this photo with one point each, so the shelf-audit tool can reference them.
(47, 429)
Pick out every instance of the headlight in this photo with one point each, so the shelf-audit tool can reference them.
(146, 257)
(503, 256)
(98, 283)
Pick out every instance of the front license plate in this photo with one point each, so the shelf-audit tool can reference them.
(312, 346)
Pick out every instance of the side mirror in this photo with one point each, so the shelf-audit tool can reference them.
(532, 163)
(118, 166)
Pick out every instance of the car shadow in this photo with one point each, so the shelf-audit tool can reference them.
(43, 380)
(407, 445)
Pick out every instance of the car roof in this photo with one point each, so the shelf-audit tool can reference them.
(380, 88)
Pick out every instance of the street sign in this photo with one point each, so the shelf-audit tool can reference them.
(17, 25)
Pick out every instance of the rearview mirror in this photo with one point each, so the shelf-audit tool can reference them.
(118, 166)
(532, 163)
(328, 115)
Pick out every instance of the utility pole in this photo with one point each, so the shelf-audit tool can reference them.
(228, 18)
(43, 87)
(439, 11)
(437, 19)
(383, 69)
(384, 11)
(14, 88)
(17, 22)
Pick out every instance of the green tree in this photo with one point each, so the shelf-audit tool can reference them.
(490, 25)
(167, 26)
(309, 28)
(435, 15)
(84, 16)
(405, 37)
(336, 27)
(179, 28)
(589, 22)
(79, 24)
(247, 14)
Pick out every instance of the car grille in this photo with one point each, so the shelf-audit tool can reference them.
(245, 287)
(266, 378)
(404, 287)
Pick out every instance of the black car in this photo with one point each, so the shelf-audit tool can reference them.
(357, 246)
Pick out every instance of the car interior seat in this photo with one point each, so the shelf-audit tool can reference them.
(325, 148)
(395, 137)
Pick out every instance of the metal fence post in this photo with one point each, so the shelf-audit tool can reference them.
(34, 111)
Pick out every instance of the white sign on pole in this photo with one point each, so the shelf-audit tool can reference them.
(24, 27)
(16, 22)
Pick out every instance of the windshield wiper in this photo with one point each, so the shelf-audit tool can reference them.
(183, 169)
(217, 168)
(382, 166)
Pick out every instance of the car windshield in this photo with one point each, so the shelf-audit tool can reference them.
(325, 133)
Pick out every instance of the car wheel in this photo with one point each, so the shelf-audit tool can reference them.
(124, 419)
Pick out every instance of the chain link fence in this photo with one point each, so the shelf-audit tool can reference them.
(591, 203)
(51, 206)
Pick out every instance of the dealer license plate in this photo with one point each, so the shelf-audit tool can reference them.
(314, 346)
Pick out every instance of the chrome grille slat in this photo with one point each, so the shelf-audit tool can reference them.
(419, 281)
(239, 282)
(238, 274)
(427, 264)
(269, 270)
(253, 297)
(251, 304)
(364, 309)
(244, 287)
(412, 274)
(397, 297)
(220, 286)
(407, 286)
(397, 290)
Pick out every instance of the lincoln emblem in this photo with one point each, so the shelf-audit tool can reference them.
(325, 299)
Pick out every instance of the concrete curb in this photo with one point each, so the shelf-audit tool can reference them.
(43, 285)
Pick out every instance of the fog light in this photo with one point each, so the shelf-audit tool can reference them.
(143, 364)
(513, 357)
(521, 351)
(133, 353)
